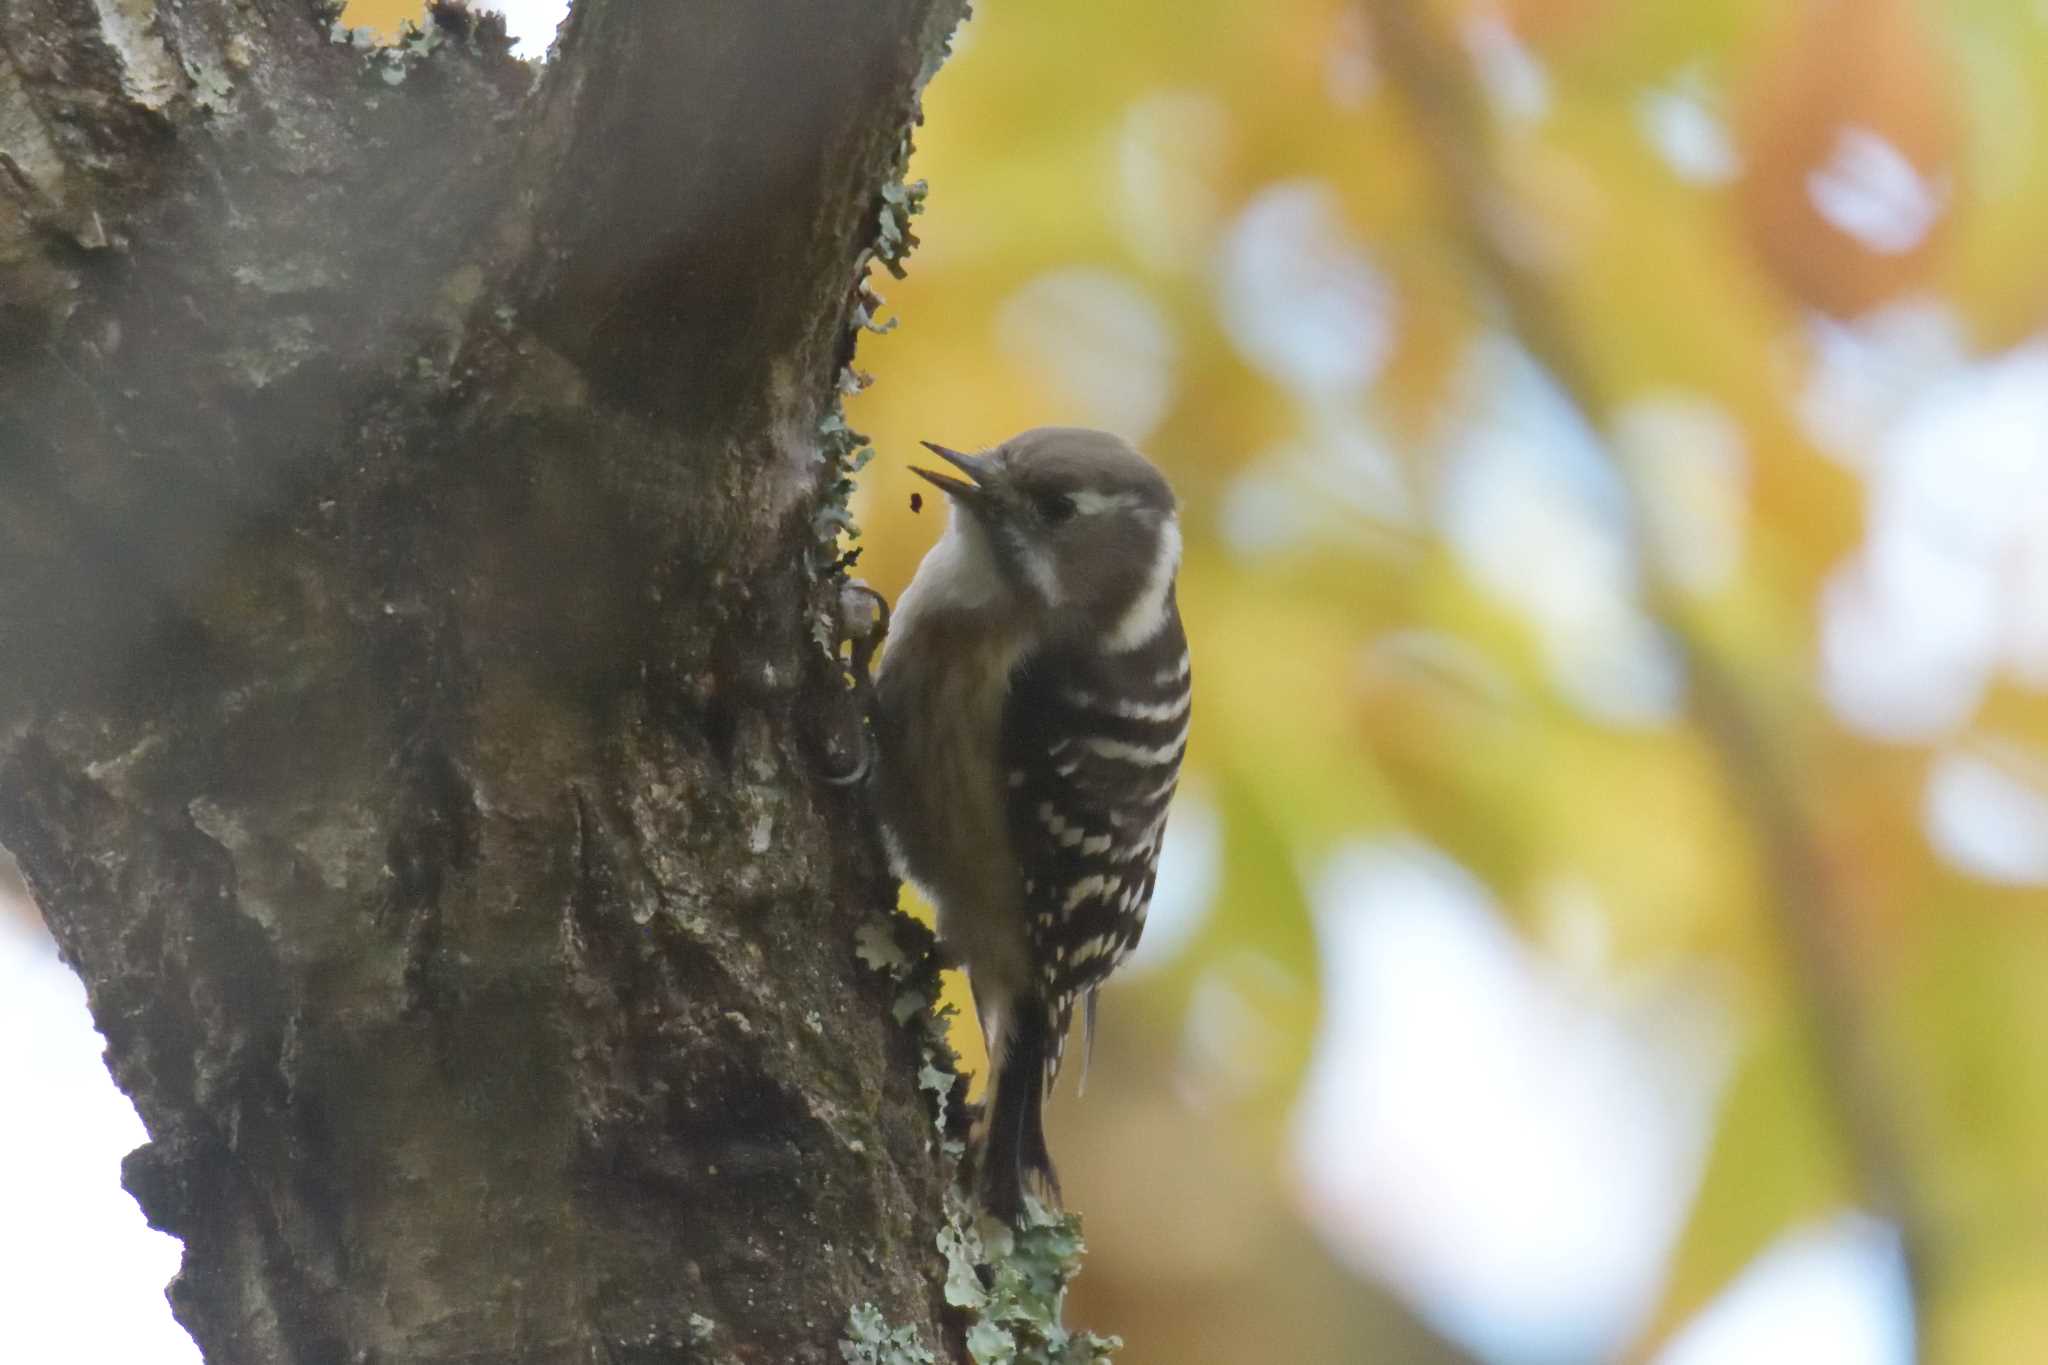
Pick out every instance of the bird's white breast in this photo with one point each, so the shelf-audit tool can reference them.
(944, 679)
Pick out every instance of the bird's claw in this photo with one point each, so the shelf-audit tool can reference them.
(863, 619)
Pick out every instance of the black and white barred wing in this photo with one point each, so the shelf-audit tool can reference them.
(1092, 747)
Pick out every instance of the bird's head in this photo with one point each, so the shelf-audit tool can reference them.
(1077, 525)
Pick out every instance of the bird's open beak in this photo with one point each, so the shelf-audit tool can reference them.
(977, 466)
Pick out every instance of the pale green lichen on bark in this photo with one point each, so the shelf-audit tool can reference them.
(880, 946)
(847, 451)
(870, 1340)
(1015, 1312)
(1011, 1285)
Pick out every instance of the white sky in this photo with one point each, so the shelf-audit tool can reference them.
(1830, 1294)
(531, 22)
(81, 1274)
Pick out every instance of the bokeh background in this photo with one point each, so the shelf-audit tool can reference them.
(1607, 914)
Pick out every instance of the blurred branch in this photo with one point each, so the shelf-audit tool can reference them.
(1458, 137)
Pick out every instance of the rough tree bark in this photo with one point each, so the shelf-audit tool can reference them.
(410, 667)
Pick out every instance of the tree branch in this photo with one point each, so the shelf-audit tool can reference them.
(685, 152)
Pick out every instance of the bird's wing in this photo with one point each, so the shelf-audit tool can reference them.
(1092, 746)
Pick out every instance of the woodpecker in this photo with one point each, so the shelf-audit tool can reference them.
(1031, 711)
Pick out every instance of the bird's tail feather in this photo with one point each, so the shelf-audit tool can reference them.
(1015, 1155)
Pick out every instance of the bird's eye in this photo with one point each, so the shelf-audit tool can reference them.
(1055, 507)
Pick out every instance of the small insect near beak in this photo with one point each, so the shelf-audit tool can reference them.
(977, 466)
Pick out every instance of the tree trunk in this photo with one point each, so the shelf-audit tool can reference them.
(418, 486)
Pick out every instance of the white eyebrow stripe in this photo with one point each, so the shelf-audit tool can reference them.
(1088, 501)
